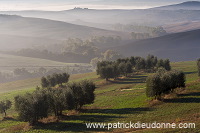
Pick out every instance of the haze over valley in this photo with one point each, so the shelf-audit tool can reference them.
(99, 65)
(82, 35)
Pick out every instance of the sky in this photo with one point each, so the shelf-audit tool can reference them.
(57, 5)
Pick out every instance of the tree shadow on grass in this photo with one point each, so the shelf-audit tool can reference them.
(191, 94)
(93, 118)
(77, 123)
(186, 99)
(68, 127)
(9, 119)
(138, 76)
(190, 72)
(183, 100)
(118, 111)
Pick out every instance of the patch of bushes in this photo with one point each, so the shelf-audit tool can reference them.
(55, 79)
(113, 69)
(164, 82)
(43, 102)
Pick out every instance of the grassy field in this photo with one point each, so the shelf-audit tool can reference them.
(10, 62)
(123, 100)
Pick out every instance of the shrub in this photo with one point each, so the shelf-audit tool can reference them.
(164, 82)
(32, 107)
(4, 106)
(55, 79)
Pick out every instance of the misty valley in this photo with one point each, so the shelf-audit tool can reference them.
(62, 69)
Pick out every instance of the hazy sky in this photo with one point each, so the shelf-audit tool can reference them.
(93, 4)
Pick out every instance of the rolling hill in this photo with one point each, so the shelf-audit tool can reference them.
(182, 46)
(10, 62)
(189, 5)
(181, 27)
(19, 31)
(190, 11)
(16, 42)
(123, 100)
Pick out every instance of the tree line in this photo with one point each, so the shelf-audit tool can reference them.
(164, 82)
(124, 66)
(72, 50)
(139, 31)
(54, 100)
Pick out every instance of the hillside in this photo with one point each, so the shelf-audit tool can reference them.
(153, 16)
(190, 5)
(10, 62)
(21, 31)
(120, 101)
(177, 47)
(16, 42)
(182, 26)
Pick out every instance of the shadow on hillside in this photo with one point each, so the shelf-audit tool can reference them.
(117, 111)
(183, 100)
(130, 80)
(191, 94)
(92, 118)
(68, 127)
(76, 123)
(186, 99)
(190, 72)
(9, 119)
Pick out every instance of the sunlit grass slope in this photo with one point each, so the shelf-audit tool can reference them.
(123, 100)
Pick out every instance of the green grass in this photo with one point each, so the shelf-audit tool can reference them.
(190, 69)
(19, 85)
(123, 100)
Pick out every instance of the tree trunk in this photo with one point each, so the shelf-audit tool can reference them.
(4, 113)
(60, 112)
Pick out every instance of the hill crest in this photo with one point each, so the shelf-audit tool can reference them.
(182, 46)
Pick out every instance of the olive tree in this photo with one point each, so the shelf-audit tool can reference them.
(4, 106)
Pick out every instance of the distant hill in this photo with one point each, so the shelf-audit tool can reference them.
(177, 47)
(190, 11)
(16, 42)
(190, 5)
(182, 26)
(19, 31)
